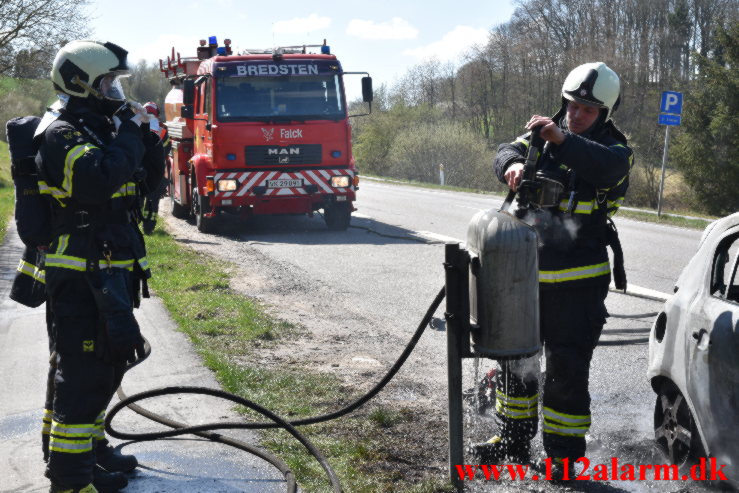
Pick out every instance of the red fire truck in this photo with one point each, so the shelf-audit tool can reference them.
(261, 132)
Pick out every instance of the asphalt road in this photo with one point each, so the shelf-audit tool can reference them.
(387, 267)
(362, 292)
(183, 464)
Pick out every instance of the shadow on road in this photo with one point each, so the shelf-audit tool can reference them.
(303, 230)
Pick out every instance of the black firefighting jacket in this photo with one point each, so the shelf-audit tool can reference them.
(94, 177)
(572, 235)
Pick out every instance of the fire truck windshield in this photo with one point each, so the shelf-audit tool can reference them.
(279, 98)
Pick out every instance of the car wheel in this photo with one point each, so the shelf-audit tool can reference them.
(338, 216)
(674, 427)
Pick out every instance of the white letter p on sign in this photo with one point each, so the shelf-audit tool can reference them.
(670, 101)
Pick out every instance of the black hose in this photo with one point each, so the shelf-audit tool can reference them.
(277, 422)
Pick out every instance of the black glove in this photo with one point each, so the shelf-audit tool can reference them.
(124, 341)
(120, 338)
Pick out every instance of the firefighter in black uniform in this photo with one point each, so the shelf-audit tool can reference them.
(587, 159)
(151, 202)
(95, 160)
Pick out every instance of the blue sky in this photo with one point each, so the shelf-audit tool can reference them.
(382, 37)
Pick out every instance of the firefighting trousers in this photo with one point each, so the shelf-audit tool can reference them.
(80, 385)
(571, 322)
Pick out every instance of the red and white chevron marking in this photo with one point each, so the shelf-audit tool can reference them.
(250, 179)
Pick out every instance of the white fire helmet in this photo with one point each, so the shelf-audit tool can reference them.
(595, 84)
(85, 67)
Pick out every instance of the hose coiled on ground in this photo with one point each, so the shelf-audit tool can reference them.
(276, 421)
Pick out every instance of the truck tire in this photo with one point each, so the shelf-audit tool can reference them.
(178, 211)
(201, 206)
(338, 216)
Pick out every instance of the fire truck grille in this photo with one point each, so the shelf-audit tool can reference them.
(283, 155)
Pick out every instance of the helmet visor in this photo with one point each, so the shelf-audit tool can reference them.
(111, 88)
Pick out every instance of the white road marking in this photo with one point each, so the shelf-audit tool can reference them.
(437, 237)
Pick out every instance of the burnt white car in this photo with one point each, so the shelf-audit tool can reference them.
(694, 355)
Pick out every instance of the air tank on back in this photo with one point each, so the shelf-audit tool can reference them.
(504, 286)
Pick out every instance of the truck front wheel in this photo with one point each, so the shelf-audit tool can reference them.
(201, 206)
(338, 216)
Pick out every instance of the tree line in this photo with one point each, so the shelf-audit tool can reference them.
(654, 45)
(456, 114)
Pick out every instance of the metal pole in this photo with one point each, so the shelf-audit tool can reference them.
(454, 362)
(664, 164)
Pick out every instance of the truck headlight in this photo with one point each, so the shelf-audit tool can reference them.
(227, 185)
(340, 181)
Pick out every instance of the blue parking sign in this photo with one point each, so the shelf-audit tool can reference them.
(672, 103)
(670, 108)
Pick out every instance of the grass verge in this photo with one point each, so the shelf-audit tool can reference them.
(668, 219)
(227, 330)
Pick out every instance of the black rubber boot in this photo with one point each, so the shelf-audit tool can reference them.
(55, 488)
(560, 473)
(499, 451)
(148, 225)
(113, 460)
(108, 482)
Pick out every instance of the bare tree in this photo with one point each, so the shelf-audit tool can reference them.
(37, 28)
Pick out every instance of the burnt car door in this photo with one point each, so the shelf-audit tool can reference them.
(712, 350)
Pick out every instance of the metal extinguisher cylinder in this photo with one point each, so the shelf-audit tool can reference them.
(504, 286)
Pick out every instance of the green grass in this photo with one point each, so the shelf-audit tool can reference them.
(668, 219)
(228, 330)
(7, 199)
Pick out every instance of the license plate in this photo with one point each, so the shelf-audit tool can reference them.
(284, 183)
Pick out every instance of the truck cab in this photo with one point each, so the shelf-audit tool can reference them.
(261, 133)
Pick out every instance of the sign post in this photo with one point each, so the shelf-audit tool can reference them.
(670, 114)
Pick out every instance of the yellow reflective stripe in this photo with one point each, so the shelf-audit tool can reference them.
(584, 272)
(144, 263)
(56, 193)
(564, 431)
(125, 190)
(99, 427)
(580, 208)
(46, 420)
(521, 140)
(517, 400)
(72, 156)
(31, 270)
(565, 419)
(515, 413)
(66, 262)
(613, 206)
(72, 431)
(80, 264)
(70, 446)
(61, 247)
(615, 203)
(121, 264)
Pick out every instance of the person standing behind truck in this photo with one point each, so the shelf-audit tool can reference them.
(96, 154)
(151, 201)
(588, 156)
